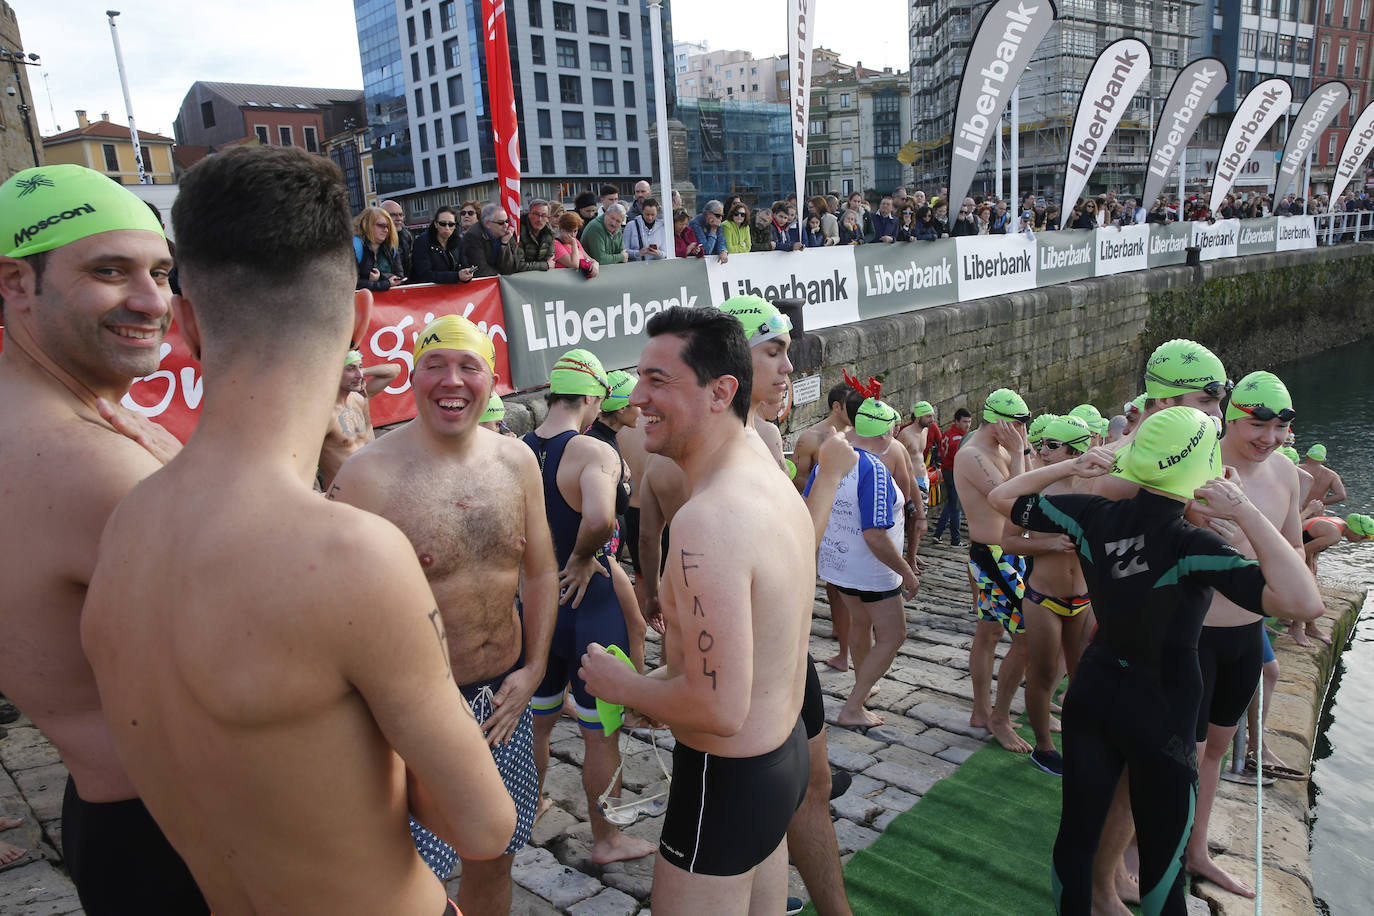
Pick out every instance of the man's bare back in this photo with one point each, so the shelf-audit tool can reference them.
(913, 439)
(808, 444)
(1326, 483)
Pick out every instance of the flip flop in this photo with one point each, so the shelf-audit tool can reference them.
(1277, 771)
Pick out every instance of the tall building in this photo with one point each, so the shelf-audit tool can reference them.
(729, 75)
(736, 147)
(20, 146)
(1049, 93)
(1343, 44)
(584, 96)
(859, 120)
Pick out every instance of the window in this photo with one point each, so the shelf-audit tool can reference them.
(602, 93)
(627, 61)
(455, 90)
(1286, 47)
(570, 90)
(261, 131)
(443, 170)
(415, 67)
(424, 138)
(565, 20)
(847, 156)
(847, 127)
(1364, 13)
(1302, 50)
(634, 162)
(1266, 45)
(448, 15)
(600, 56)
(1325, 52)
(631, 127)
(424, 167)
(536, 14)
(312, 140)
(438, 134)
(567, 53)
(574, 127)
(1357, 66)
(597, 22)
(419, 103)
(207, 114)
(410, 30)
(625, 25)
(284, 135)
(546, 159)
(605, 127)
(1249, 42)
(817, 128)
(452, 55)
(462, 164)
(844, 99)
(1340, 60)
(607, 161)
(429, 24)
(430, 61)
(629, 94)
(112, 156)
(819, 156)
(576, 157)
(434, 97)
(536, 49)
(458, 125)
(541, 87)
(1331, 150)
(1354, 103)
(545, 124)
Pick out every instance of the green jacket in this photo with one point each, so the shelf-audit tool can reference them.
(737, 237)
(603, 247)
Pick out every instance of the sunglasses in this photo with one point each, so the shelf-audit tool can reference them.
(1265, 414)
(467, 212)
(652, 802)
(1212, 389)
(1054, 445)
(385, 225)
(498, 222)
(447, 223)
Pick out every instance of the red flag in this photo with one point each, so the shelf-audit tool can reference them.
(501, 98)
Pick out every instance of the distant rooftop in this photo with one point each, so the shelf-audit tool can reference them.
(260, 96)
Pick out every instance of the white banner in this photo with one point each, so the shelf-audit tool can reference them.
(1320, 109)
(1355, 151)
(1122, 248)
(1193, 91)
(1117, 74)
(824, 278)
(990, 265)
(1217, 240)
(801, 30)
(1253, 119)
(1296, 232)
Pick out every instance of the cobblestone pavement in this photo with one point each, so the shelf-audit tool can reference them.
(926, 698)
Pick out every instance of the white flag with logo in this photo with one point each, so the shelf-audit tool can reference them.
(1120, 69)
(1194, 89)
(1355, 151)
(1254, 118)
(801, 29)
(1320, 109)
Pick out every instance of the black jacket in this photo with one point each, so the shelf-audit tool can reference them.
(366, 261)
(432, 262)
(477, 251)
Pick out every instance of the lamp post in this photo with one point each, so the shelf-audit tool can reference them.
(16, 58)
(128, 103)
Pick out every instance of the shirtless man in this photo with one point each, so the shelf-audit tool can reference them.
(1328, 530)
(86, 304)
(736, 601)
(1326, 483)
(581, 474)
(1231, 648)
(485, 542)
(268, 718)
(351, 427)
(990, 455)
(915, 437)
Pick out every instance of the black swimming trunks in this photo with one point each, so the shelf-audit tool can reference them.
(727, 814)
(1230, 659)
(869, 597)
(813, 701)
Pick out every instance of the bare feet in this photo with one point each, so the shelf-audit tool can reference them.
(1317, 634)
(1208, 870)
(873, 691)
(545, 803)
(1055, 726)
(620, 847)
(10, 853)
(9, 823)
(838, 662)
(861, 719)
(1055, 707)
(1301, 639)
(1006, 735)
(979, 719)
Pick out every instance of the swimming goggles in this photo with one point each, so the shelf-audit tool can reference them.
(1212, 389)
(652, 802)
(1022, 418)
(774, 324)
(1265, 414)
(1055, 446)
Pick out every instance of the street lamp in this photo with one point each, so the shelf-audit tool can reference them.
(16, 58)
(128, 104)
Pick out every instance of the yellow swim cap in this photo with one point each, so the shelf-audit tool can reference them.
(454, 332)
(54, 205)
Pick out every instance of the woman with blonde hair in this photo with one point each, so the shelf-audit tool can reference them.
(376, 246)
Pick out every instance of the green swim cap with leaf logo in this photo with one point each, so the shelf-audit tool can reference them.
(622, 384)
(1036, 431)
(1175, 451)
(922, 409)
(874, 418)
(1070, 430)
(579, 372)
(1005, 404)
(54, 205)
(1180, 366)
(1261, 396)
(1317, 452)
(496, 410)
(761, 319)
(1361, 525)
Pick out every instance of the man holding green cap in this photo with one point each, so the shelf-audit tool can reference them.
(351, 427)
(1150, 575)
(1326, 483)
(581, 476)
(484, 545)
(85, 302)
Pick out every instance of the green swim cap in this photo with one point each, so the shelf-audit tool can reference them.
(612, 715)
(761, 319)
(1136, 403)
(579, 372)
(1036, 431)
(1175, 450)
(353, 358)
(922, 409)
(621, 383)
(1005, 404)
(1085, 412)
(1099, 426)
(54, 205)
(1258, 389)
(1070, 430)
(496, 410)
(1180, 366)
(1361, 525)
(791, 468)
(1317, 452)
(1290, 453)
(874, 418)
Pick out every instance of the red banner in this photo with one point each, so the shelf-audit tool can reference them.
(501, 103)
(172, 394)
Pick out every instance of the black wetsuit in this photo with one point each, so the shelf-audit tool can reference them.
(1134, 700)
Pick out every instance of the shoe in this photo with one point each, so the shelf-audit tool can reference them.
(1049, 761)
(956, 543)
(8, 713)
(795, 905)
(840, 781)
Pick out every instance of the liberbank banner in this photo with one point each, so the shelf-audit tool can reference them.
(1320, 109)
(1120, 69)
(1193, 92)
(1253, 120)
(1358, 144)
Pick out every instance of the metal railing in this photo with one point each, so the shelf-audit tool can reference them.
(1334, 228)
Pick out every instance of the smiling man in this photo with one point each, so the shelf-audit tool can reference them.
(83, 279)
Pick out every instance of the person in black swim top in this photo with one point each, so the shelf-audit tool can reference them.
(1150, 574)
(581, 474)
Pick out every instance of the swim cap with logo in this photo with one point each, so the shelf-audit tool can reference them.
(1036, 431)
(1099, 426)
(761, 319)
(874, 418)
(922, 409)
(1086, 413)
(1005, 404)
(1070, 430)
(1361, 525)
(454, 332)
(496, 410)
(1317, 452)
(1175, 450)
(54, 205)
(1180, 366)
(1290, 453)
(579, 372)
(354, 358)
(621, 385)
(1258, 389)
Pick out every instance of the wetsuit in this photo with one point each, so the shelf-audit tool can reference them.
(1134, 700)
(597, 619)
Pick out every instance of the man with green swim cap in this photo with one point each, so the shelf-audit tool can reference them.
(769, 333)
(1185, 372)
(1035, 432)
(494, 417)
(920, 437)
(1326, 483)
(85, 301)
(351, 427)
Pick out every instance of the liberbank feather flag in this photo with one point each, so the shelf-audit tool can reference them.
(1006, 38)
(801, 29)
(1317, 113)
(1195, 88)
(1116, 75)
(1253, 119)
(1355, 151)
(502, 104)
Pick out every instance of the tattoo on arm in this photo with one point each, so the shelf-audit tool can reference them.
(686, 566)
(988, 475)
(705, 642)
(438, 624)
